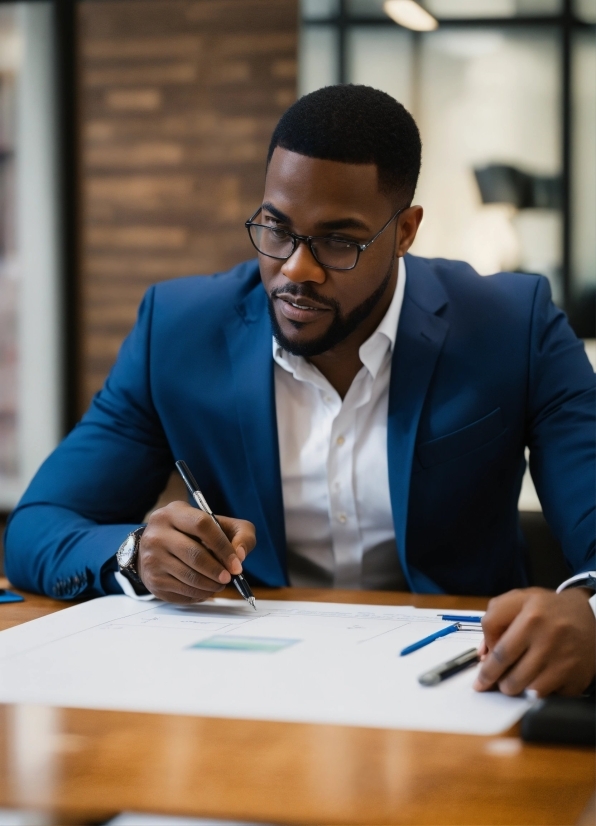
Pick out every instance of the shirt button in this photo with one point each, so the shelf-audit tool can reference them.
(328, 399)
(341, 517)
(340, 440)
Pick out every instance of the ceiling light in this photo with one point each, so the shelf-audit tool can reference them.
(410, 15)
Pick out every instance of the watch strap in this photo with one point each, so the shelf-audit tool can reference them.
(132, 589)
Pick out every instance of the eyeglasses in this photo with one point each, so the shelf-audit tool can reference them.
(332, 253)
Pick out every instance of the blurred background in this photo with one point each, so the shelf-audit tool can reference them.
(133, 136)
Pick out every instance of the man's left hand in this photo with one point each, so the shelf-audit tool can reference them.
(534, 638)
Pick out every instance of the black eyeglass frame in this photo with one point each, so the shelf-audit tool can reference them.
(308, 239)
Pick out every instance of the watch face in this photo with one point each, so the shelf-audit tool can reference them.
(126, 551)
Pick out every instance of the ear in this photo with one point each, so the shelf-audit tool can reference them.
(407, 228)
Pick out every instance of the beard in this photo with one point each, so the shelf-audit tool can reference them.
(341, 326)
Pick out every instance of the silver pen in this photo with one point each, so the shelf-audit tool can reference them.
(445, 670)
(189, 480)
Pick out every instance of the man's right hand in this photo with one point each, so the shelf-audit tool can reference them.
(184, 557)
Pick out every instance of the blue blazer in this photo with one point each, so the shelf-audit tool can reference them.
(482, 367)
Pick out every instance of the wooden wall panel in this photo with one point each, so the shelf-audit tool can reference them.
(178, 99)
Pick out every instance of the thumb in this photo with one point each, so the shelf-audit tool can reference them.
(240, 533)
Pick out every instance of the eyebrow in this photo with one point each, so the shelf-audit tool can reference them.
(329, 226)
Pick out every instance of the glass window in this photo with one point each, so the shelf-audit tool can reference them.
(318, 9)
(583, 215)
(30, 381)
(382, 58)
(318, 65)
(9, 50)
(492, 8)
(488, 97)
(466, 8)
(487, 102)
(365, 8)
(586, 10)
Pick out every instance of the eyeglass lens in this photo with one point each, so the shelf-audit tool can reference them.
(329, 252)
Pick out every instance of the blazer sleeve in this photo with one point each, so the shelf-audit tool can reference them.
(562, 430)
(96, 486)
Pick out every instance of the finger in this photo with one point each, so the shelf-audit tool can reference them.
(241, 534)
(525, 671)
(193, 578)
(561, 676)
(555, 680)
(503, 655)
(196, 557)
(500, 614)
(482, 650)
(169, 589)
(200, 525)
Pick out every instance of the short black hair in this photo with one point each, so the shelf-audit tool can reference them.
(355, 124)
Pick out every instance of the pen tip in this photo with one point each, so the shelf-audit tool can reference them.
(252, 602)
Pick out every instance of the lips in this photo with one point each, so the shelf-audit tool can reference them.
(296, 308)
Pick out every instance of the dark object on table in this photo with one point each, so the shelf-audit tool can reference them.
(569, 720)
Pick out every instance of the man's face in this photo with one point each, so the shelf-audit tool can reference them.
(313, 308)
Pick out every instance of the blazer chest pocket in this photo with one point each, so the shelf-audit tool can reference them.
(462, 441)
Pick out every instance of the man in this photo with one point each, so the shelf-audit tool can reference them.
(376, 439)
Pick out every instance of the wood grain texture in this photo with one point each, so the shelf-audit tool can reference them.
(177, 101)
(83, 765)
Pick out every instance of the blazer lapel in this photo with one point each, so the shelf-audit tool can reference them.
(249, 343)
(420, 336)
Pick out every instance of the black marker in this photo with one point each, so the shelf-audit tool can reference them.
(451, 667)
(241, 584)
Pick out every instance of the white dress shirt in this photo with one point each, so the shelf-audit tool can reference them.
(334, 471)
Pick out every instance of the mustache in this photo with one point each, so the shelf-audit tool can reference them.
(304, 291)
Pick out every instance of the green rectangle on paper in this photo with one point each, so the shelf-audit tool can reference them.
(226, 642)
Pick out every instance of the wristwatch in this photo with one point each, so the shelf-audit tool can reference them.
(127, 556)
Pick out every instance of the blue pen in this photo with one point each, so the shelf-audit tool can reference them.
(421, 643)
(458, 618)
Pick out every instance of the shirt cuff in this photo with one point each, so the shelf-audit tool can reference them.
(585, 580)
(127, 588)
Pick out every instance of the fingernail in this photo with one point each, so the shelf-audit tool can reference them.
(235, 566)
(224, 577)
(478, 685)
(241, 552)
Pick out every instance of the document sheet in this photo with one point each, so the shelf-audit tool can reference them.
(292, 661)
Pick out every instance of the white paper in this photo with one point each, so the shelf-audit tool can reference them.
(292, 661)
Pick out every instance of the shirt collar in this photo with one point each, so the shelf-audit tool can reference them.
(373, 351)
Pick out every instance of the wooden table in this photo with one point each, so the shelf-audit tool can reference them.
(82, 766)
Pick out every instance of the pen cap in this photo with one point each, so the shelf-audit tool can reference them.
(430, 678)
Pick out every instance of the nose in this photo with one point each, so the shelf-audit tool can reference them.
(302, 266)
